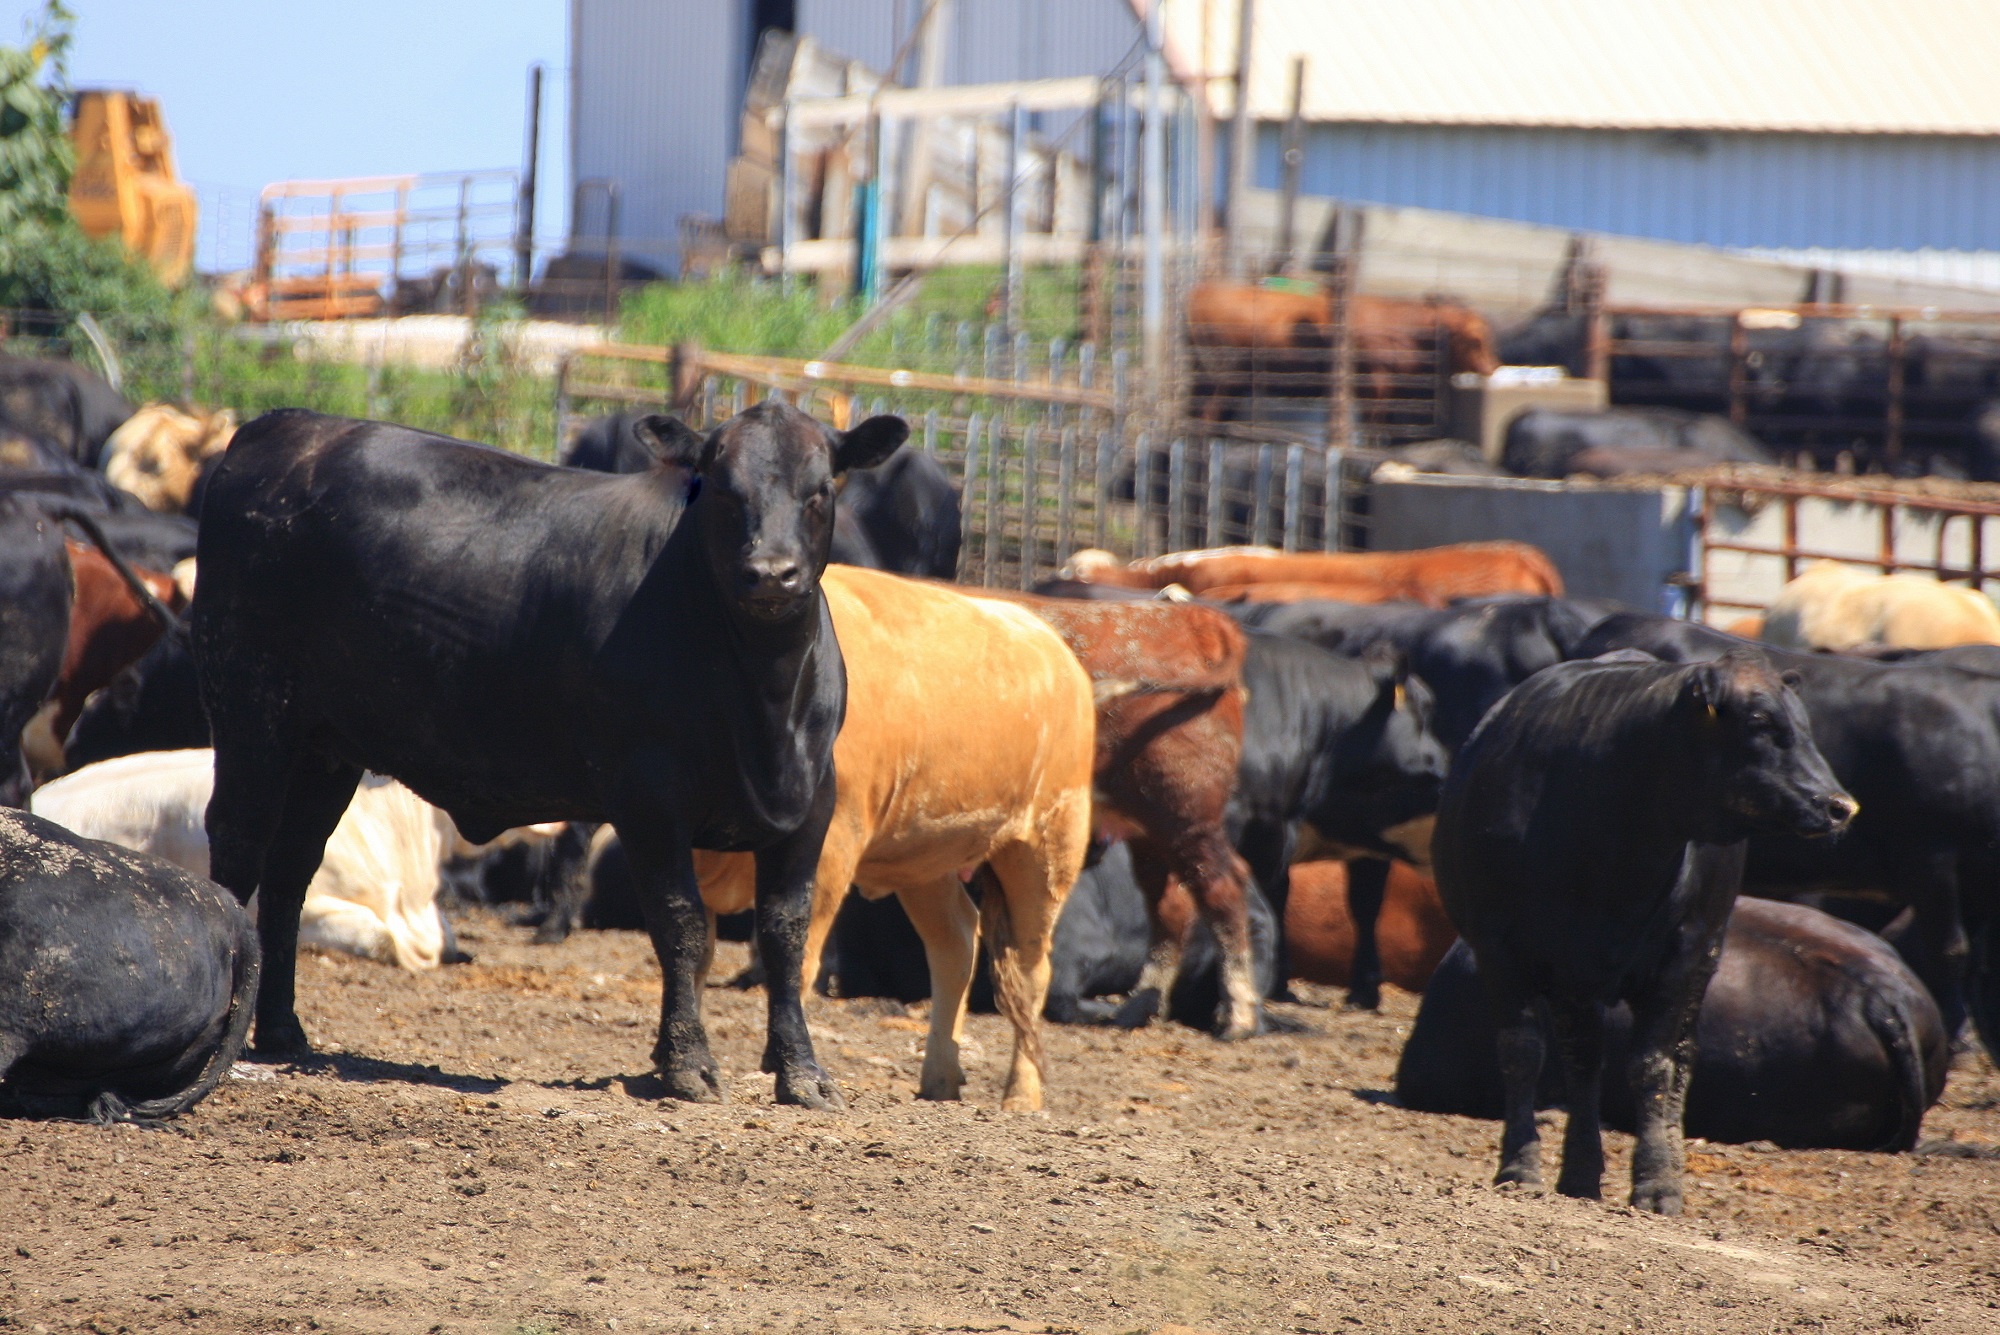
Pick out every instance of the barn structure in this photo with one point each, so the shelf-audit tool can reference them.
(656, 86)
(1843, 125)
(1866, 131)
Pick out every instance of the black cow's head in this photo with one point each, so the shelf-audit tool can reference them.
(1389, 770)
(766, 501)
(1758, 769)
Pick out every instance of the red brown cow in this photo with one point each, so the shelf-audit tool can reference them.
(1168, 682)
(109, 630)
(1433, 575)
(1412, 934)
(1237, 331)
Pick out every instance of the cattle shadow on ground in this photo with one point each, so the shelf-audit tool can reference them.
(357, 1070)
(1383, 1098)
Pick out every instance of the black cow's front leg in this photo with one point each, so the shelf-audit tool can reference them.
(785, 873)
(1367, 886)
(1579, 1030)
(670, 898)
(1666, 1007)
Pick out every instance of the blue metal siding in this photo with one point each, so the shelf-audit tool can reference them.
(655, 92)
(1848, 191)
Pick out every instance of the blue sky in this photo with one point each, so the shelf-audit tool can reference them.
(256, 91)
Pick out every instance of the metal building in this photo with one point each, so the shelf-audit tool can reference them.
(1839, 124)
(656, 86)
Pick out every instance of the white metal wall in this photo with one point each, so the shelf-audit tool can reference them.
(1874, 192)
(992, 41)
(656, 88)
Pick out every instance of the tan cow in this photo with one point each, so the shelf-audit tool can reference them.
(158, 453)
(967, 750)
(1836, 607)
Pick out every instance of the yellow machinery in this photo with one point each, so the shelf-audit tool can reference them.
(124, 185)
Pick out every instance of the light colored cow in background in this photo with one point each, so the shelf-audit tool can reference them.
(375, 893)
(1835, 607)
(158, 453)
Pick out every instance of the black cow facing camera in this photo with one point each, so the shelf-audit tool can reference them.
(1589, 846)
(125, 983)
(522, 643)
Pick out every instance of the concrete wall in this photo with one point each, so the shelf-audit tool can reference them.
(1607, 544)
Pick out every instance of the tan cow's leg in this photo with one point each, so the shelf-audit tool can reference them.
(838, 858)
(948, 921)
(1033, 883)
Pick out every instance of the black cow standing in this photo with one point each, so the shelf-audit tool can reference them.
(1344, 747)
(521, 643)
(1588, 848)
(1918, 744)
(1469, 655)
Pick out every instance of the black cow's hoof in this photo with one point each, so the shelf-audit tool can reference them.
(1657, 1197)
(1138, 1010)
(1364, 998)
(693, 1084)
(810, 1088)
(281, 1040)
(1580, 1189)
(553, 931)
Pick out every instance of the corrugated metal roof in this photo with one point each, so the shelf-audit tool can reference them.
(1809, 66)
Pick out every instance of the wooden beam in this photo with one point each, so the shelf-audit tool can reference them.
(975, 99)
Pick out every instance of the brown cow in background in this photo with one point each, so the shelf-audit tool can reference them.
(1276, 343)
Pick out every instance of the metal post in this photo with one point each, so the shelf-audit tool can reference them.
(1295, 481)
(1017, 130)
(1239, 141)
(1260, 505)
(1892, 443)
(1294, 159)
(524, 218)
(1216, 461)
(468, 303)
(1177, 496)
(966, 511)
(1340, 366)
(991, 555)
(788, 193)
(1107, 460)
(1153, 284)
(1031, 461)
(1066, 494)
(1334, 500)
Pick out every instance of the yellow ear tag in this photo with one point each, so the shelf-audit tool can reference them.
(1401, 695)
(1711, 712)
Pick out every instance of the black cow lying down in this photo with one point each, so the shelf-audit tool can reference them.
(1813, 1035)
(521, 643)
(1588, 848)
(125, 983)
(36, 589)
(1918, 745)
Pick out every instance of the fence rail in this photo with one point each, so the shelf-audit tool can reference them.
(1753, 536)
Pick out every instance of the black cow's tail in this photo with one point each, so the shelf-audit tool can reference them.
(86, 521)
(108, 1107)
(1891, 1022)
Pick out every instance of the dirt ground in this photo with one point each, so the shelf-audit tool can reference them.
(480, 1151)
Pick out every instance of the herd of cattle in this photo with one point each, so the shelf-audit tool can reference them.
(693, 675)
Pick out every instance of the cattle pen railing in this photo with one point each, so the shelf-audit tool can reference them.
(1755, 534)
(1044, 467)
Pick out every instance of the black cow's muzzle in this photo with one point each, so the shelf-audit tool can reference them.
(771, 588)
(1828, 813)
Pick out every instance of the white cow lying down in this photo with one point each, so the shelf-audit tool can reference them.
(1835, 607)
(375, 893)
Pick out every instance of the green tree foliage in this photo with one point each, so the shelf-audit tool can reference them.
(46, 262)
(35, 153)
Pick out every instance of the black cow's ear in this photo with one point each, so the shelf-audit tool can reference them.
(869, 444)
(1387, 667)
(670, 440)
